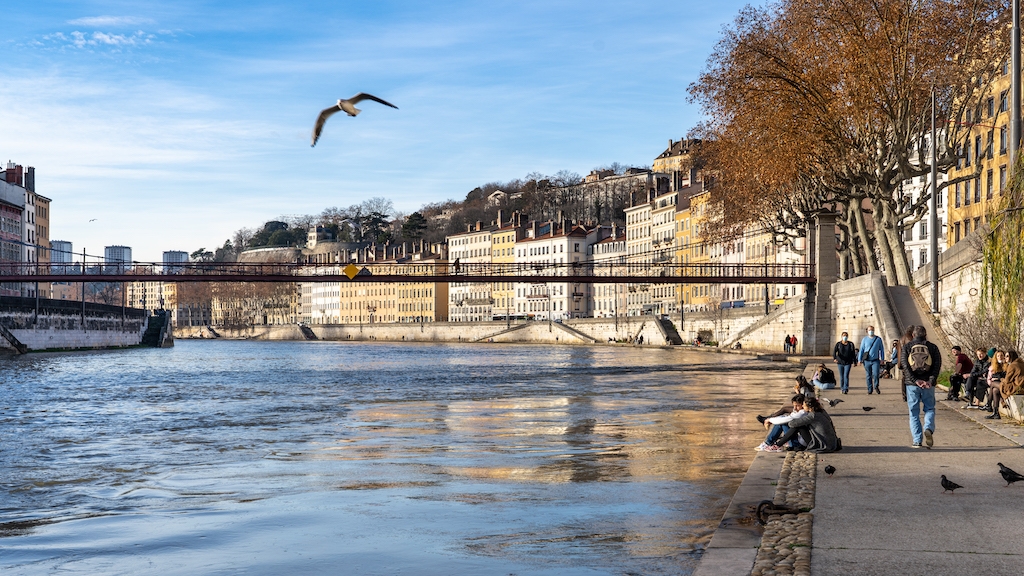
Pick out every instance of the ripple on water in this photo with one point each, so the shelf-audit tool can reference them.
(526, 459)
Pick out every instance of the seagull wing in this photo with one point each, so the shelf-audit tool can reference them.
(364, 96)
(320, 121)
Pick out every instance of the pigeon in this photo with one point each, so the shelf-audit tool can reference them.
(867, 408)
(348, 106)
(830, 470)
(949, 485)
(1009, 475)
(832, 403)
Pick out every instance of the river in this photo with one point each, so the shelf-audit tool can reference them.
(218, 457)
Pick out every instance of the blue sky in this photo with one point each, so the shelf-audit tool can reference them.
(174, 124)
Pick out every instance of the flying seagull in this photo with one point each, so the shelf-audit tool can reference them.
(1009, 475)
(949, 485)
(348, 106)
(830, 470)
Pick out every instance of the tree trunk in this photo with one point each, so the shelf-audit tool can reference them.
(865, 238)
(891, 242)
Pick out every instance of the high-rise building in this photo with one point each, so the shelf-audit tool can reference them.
(116, 259)
(173, 259)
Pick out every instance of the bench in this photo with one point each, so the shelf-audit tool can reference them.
(1013, 407)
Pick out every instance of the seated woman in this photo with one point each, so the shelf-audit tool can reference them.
(824, 378)
(804, 387)
(777, 424)
(814, 428)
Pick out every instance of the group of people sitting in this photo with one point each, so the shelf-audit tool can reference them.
(983, 383)
(804, 425)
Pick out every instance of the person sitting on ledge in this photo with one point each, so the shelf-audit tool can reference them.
(804, 387)
(778, 423)
(824, 378)
(1013, 383)
(962, 367)
(814, 429)
(975, 387)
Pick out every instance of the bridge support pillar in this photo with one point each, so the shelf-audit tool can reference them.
(821, 250)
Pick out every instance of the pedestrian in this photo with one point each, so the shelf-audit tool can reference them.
(920, 364)
(785, 344)
(907, 337)
(962, 367)
(872, 352)
(845, 355)
(641, 340)
(792, 344)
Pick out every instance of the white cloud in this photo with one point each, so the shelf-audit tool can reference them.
(80, 39)
(110, 21)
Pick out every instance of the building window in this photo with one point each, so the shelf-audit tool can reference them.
(1002, 179)
(990, 106)
(988, 185)
(1002, 139)
(967, 153)
(967, 192)
(990, 144)
(977, 223)
(923, 232)
(978, 152)
(956, 195)
(956, 232)
(923, 258)
(977, 190)
(1002, 101)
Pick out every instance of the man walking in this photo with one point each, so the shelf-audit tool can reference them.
(845, 355)
(920, 364)
(872, 352)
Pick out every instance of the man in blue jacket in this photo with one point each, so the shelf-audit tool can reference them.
(872, 353)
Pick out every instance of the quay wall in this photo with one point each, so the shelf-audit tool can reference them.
(59, 325)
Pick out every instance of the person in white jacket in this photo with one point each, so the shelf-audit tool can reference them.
(779, 425)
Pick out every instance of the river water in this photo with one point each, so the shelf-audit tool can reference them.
(220, 457)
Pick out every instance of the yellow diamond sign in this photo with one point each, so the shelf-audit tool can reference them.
(351, 271)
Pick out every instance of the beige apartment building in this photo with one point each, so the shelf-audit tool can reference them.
(503, 252)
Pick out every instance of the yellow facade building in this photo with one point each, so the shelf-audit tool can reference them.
(983, 164)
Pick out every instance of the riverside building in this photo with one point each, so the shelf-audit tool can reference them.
(470, 301)
(553, 249)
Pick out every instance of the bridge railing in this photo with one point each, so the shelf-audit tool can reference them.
(639, 270)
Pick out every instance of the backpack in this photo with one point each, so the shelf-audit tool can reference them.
(920, 360)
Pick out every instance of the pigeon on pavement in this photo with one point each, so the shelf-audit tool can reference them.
(830, 470)
(347, 106)
(949, 485)
(1009, 475)
(867, 408)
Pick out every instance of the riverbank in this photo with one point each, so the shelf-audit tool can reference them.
(884, 511)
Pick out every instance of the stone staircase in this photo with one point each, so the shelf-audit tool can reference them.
(157, 334)
(15, 343)
(307, 332)
(668, 329)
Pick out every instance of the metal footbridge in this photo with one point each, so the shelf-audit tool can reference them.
(414, 272)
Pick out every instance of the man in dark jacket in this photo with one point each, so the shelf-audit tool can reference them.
(976, 380)
(845, 355)
(920, 364)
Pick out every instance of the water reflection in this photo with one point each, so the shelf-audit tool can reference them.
(480, 459)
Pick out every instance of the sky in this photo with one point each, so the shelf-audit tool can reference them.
(169, 125)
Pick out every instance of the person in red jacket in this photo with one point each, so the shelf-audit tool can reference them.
(962, 366)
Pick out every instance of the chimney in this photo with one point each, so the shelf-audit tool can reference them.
(469, 227)
(501, 218)
(403, 250)
(479, 225)
(30, 179)
(670, 144)
(533, 228)
(615, 230)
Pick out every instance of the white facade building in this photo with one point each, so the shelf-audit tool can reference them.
(553, 250)
(916, 239)
(606, 246)
(470, 301)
